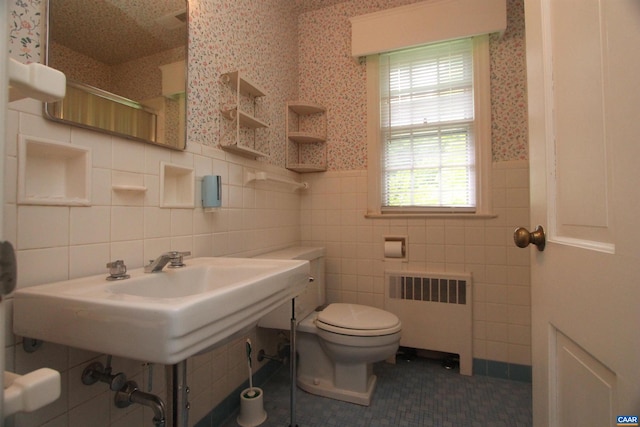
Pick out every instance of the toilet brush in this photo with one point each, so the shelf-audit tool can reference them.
(252, 411)
(251, 393)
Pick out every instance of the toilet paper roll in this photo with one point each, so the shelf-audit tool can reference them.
(393, 249)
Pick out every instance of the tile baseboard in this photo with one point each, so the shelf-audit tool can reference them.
(503, 370)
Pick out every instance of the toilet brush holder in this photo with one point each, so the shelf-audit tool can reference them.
(252, 411)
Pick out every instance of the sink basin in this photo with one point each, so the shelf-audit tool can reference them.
(161, 317)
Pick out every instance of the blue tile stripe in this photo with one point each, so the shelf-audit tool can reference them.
(503, 370)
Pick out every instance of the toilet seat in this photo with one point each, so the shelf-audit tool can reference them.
(357, 320)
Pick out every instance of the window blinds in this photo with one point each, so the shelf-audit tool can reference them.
(427, 123)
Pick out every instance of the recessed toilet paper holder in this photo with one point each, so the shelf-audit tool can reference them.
(396, 248)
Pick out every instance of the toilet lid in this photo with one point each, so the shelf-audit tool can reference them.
(359, 320)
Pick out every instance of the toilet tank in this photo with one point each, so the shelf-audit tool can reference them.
(313, 295)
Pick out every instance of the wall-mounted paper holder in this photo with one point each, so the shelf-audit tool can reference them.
(396, 248)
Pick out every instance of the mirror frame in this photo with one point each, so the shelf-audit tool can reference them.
(125, 108)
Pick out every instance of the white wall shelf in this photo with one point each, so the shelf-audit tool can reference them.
(131, 188)
(245, 119)
(241, 107)
(53, 173)
(265, 176)
(303, 168)
(127, 182)
(306, 148)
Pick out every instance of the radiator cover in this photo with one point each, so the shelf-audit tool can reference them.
(435, 310)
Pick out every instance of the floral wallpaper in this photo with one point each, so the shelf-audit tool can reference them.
(26, 24)
(509, 123)
(255, 38)
(330, 76)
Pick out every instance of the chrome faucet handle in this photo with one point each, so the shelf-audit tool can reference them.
(177, 259)
(117, 270)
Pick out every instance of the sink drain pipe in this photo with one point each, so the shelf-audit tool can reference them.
(131, 394)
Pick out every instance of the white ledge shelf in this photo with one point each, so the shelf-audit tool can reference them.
(131, 188)
(265, 176)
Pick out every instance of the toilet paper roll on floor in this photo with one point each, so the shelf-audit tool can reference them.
(393, 249)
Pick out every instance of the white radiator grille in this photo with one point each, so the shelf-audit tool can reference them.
(435, 310)
(418, 288)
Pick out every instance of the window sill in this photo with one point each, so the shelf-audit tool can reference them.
(378, 215)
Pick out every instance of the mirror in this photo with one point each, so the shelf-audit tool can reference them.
(125, 64)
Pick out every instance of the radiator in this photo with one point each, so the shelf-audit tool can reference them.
(435, 310)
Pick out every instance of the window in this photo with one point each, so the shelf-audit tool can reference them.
(430, 130)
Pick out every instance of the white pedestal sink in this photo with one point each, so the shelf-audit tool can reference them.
(162, 317)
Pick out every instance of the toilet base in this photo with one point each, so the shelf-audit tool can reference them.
(327, 389)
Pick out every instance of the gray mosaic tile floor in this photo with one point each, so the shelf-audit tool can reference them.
(411, 393)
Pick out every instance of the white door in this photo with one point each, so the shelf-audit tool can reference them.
(583, 65)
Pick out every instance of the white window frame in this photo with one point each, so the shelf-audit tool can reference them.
(482, 106)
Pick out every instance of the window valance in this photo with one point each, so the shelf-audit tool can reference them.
(425, 22)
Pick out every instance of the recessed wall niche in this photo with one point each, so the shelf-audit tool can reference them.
(176, 186)
(53, 173)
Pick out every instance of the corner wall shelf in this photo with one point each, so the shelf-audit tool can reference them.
(306, 126)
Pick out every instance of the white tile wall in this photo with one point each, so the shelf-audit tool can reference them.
(332, 215)
(59, 243)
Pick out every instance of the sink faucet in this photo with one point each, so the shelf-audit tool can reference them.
(158, 264)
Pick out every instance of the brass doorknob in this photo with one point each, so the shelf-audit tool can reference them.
(522, 237)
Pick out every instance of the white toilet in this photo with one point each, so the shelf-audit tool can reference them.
(338, 344)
